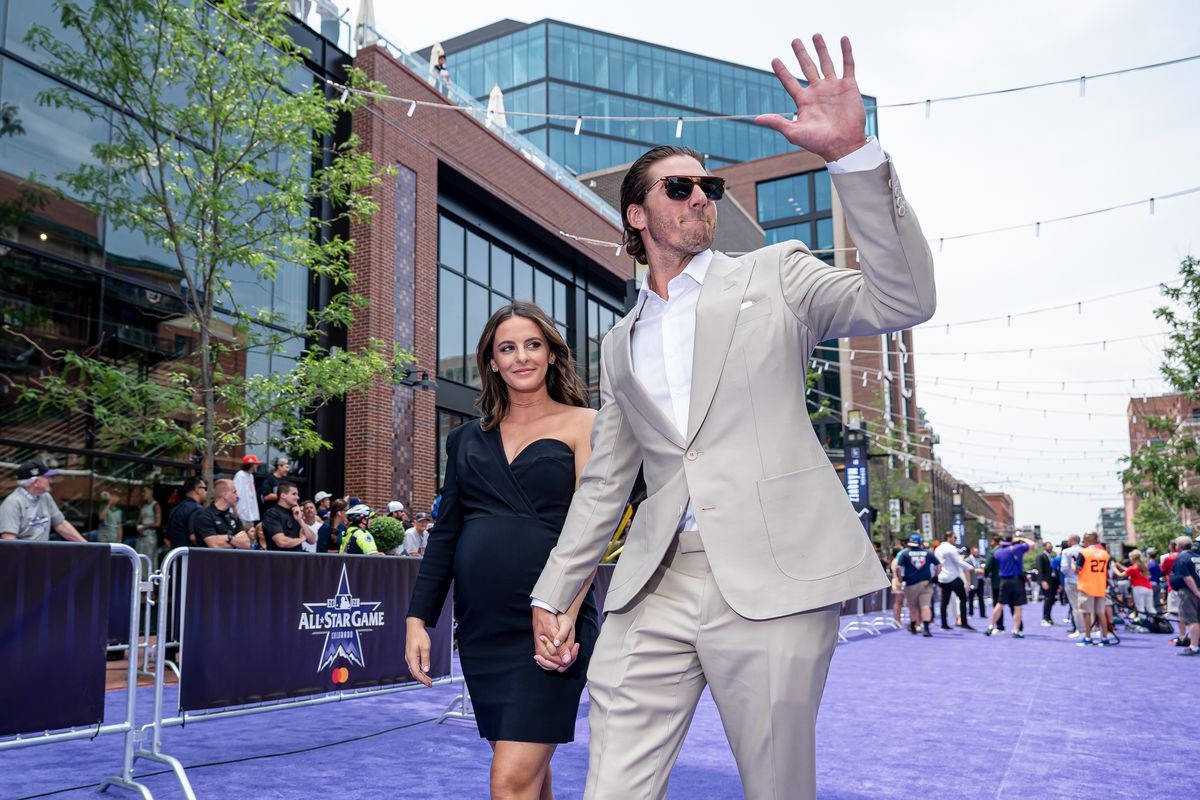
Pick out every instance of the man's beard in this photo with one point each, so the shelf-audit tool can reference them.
(692, 238)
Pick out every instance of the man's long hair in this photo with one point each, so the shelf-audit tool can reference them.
(635, 186)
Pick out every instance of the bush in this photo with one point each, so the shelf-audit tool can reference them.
(388, 533)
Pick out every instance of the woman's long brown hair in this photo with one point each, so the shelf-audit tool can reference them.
(563, 383)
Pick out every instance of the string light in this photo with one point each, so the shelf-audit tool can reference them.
(927, 103)
(1007, 228)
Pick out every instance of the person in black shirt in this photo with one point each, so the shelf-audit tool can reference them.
(180, 530)
(283, 523)
(218, 526)
(268, 493)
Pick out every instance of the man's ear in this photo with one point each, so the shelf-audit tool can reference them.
(635, 214)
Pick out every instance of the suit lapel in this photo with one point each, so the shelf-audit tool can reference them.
(716, 317)
(625, 379)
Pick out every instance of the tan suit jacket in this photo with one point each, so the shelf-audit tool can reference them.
(779, 530)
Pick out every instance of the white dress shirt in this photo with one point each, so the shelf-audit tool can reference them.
(662, 340)
(664, 331)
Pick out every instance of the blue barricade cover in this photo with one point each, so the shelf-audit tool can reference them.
(53, 632)
(263, 626)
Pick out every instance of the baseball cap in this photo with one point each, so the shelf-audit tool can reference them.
(32, 469)
(421, 515)
(250, 459)
(914, 539)
(395, 506)
(353, 501)
(319, 496)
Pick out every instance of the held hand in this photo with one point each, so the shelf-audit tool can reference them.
(548, 644)
(568, 651)
(830, 118)
(416, 650)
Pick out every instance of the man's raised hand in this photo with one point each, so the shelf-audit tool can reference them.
(830, 118)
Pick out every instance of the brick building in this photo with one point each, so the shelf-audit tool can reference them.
(1002, 508)
(1171, 406)
(468, 223)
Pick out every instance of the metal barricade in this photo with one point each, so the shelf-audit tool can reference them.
(174, 570)
(127, 726)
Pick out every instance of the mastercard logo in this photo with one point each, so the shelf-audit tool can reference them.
(340, 675)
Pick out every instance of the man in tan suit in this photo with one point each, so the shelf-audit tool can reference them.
(703, 386)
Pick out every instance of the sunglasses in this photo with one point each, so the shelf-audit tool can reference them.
(679, 187)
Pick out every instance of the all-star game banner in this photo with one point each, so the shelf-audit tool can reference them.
(53, 632)
(264, 626)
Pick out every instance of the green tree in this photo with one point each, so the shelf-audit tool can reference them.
(221, 153)
(1156, 523)
(1161, 468)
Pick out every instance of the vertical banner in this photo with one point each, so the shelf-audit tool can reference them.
(260, 626)
(53, 631)
(927, 525)
(958, 526)
(856, 476)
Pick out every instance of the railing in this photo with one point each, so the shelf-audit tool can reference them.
(126, 726)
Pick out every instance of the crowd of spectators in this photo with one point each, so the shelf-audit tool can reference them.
(234, 513)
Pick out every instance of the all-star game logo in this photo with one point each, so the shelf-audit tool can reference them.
(341, 618)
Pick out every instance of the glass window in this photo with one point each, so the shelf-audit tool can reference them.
(824, 201)
(450, 326)
(446, 422)
(825, 233)
(54, 140)
(522, 280)
(24, 15)
(501, 270)
(543, 289)
(477, 257)
(499, 301)
(478, 311)
(560, 301)
(450, 243)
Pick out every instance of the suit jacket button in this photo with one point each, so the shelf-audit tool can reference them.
(692, 455)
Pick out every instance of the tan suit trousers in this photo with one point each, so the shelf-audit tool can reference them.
(653, 660)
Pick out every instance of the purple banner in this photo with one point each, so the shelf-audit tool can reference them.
(262, 626)
(53, 631)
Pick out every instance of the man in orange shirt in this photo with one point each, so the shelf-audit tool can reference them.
(1092, 571)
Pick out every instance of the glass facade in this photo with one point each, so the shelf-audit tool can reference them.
(798, 207)
(477, 275)
(75, 280)
(557, 68)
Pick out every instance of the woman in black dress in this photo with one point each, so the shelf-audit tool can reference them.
(509, 481)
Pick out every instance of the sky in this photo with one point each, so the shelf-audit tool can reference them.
(986, 163)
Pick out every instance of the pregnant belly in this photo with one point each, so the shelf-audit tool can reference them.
(496, 565)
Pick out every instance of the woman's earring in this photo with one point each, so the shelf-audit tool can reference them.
(495, 368)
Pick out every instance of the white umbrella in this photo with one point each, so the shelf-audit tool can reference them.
(495, 107)
(364, 27)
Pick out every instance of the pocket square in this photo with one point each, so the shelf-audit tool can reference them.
(746, 305)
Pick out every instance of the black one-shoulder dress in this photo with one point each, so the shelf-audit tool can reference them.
(496, 526)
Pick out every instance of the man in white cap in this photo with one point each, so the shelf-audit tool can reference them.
(30, 512)
(322, 499)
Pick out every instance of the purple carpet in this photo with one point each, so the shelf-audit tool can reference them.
(957, 716)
